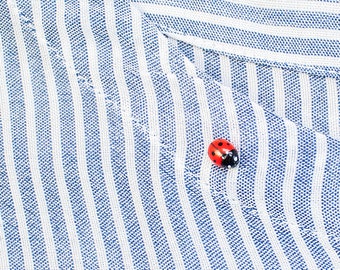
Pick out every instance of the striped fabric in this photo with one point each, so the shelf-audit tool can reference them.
(106, 112)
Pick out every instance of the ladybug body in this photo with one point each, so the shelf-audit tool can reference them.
(223, 153)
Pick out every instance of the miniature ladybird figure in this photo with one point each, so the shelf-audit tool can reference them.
(223, 153)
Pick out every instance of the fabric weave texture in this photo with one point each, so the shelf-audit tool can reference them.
(107, 109)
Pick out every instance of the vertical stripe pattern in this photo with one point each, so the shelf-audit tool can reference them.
(231, 182)
(79, 125)
(235, 138)
(154, 138)
(105, 143)
(252, 82)
(106, 113)
(204, 173)
(288, 187)
(128, 133)
(316, 198)
(55, 135)
(260, 186)
(32, 136)
(10, 168)
(181, 151)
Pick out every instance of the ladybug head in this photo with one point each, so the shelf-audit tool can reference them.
(230, 159)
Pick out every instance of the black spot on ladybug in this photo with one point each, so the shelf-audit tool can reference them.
(228, 143)
(213, 153)
(214, 161)
(220, 143)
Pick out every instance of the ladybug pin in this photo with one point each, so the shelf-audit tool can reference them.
(223, 153)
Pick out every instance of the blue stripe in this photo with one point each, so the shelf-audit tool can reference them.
(212, 64)
(265, 80)
(319, 104)
(239, 81)
(148, 199)
(67, 129)
(143, 158)
(130, 219)
(292, 96)
(186, 49)
(118, 158)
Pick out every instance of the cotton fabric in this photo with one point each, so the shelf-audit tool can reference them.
(108, 108)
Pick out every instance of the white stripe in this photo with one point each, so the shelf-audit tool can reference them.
(10, 166)
(225, 71)
(252, 81)
(288, 58)
(32, 137)
(129, 149)
(267, 29)
(316, 197)
(55, 136)
(288, 193)
(180, 154)
(166, 68)
(154, 137)
(306, 100)
(333, 108)
(279, 92)
(104, 141)
(205, 168)
(231, 190)
(260, 185)
(4, 262)
(79, 130)
(189, 68)
(199, 58)
(300, 5)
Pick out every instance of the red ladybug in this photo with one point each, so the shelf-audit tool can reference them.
(223, 153)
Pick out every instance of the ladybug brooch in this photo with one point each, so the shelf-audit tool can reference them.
(223, 153)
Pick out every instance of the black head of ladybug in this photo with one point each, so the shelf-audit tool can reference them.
(230, 159)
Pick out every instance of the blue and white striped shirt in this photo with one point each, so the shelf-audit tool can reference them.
(107, 109)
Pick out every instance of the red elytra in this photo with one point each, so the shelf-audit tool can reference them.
(223, 153)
